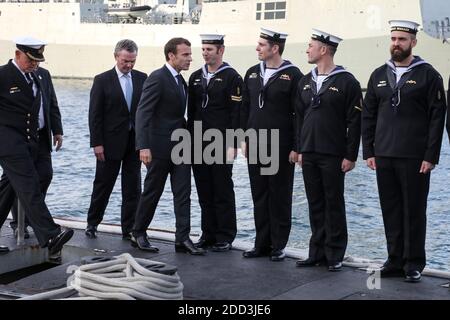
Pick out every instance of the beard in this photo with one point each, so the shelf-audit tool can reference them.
(399, 55)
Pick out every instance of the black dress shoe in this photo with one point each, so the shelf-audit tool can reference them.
(256, 253)
(91, 232)
(204, 244)
(388, 270)
(310, 263)
(143, 244)
(188, 247)
(413, 276)
(335, 266)
(4, 249)
(277, 255)
(56, 243)
(221, 247)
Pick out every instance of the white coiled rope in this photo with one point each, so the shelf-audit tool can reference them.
(123, 278)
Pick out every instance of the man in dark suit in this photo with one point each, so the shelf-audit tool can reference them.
(160, 112)
(403, 122)
(25, 95)
(114, 98)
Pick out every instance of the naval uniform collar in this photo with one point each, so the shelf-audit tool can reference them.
(17, 66)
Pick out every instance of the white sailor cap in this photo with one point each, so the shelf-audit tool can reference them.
(404, 25)
(212, 38)
(326, 38)
(32, 47)
(274, 36)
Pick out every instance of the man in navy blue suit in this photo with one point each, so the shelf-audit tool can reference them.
(160, 112)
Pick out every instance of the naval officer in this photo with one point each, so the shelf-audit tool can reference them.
(215, 96)
(329, 131)
(269, 96)
(402, 127)
(26, 93)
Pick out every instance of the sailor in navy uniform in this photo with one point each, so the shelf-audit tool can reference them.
(268, 103)
(329, 131)
(25, 95)
(215, 97)
(402, 127)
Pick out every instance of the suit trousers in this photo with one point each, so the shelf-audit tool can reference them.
(403, 197)
(155, 180)
(44, 169)
(324, 185)
(272, 202)
(23, 179)
(216, 196)
(105, 178)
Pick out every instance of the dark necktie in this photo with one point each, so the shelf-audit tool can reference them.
(30, 81)
(181, 88)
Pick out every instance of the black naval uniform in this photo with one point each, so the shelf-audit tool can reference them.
(329, 131)
(217, 105)
(271, 106)
(43, 162)
(21, 144)
(402, 126)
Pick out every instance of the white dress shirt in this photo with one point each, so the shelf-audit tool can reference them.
(123, 80)
(35, 90)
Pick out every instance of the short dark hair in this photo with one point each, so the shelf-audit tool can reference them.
(171, 46)
(125, 44)
(281, 46)
(332, 50)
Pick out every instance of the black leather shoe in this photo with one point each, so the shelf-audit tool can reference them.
(188, 247)
(126, 236)
(91, 232)
(277, 255)
(26, 234)
(204, 244)
(4, 249)
(388, 270)
(309, 263)
(55, 244)
(256, 253)
(143, 244)
(221, 247)
(335, 266)
(413, 276)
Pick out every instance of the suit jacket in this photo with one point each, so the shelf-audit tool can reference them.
(109, 117)
(160, 112)
(19, 109)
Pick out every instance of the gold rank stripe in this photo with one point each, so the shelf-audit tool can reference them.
(236, 98)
